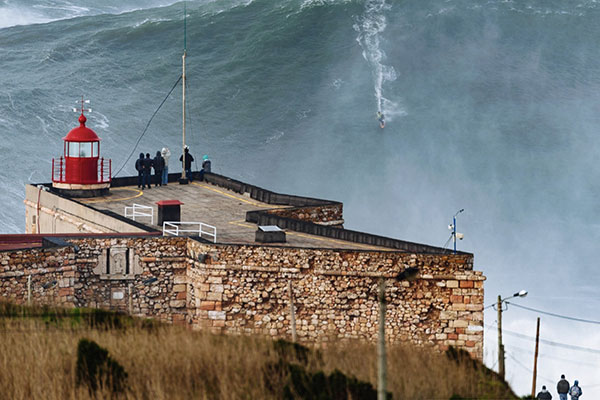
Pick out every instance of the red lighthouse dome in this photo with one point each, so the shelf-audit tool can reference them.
(80, 171)
(82, 133)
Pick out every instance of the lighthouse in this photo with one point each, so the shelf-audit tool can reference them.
(80, 171)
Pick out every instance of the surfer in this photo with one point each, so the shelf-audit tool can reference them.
(381, 119)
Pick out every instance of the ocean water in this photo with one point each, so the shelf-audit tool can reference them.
(491, 106)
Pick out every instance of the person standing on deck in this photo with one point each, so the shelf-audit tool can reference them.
(206, 166)
(147, 170)
(139, 167)
(188, 163)
(159, 164)
(166, 154)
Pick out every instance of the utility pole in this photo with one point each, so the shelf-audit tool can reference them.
(500, 345)
(537, 342)
(381, 355)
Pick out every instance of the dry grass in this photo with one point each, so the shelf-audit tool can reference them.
(38, 360)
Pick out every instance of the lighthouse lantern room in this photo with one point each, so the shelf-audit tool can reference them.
(80, 172)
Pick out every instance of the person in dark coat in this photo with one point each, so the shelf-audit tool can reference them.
(159, 164)
(188, 163)
(544, 394)
(206, 166)
(562, 387)
(147, 170)
(139, 167)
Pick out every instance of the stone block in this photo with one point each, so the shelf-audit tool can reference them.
(452, 284)
(177, 303)
(456, 299)
(214, 296)
(216, 288)
(448, 315)
(466, 284)
(214, 279)
(216, 315)
(180, 279)
(180, 288)
(459, 323)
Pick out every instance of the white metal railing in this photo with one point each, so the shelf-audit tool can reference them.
(138, 210)
(175, 228)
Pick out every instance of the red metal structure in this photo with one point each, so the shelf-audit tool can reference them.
(81, 168)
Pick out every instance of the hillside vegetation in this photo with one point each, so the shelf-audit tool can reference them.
(39, 359)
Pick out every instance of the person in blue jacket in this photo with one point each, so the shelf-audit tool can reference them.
(575, 391)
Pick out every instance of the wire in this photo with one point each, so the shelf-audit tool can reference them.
(545, 356)
(551, 343)
(447, 242)
(493, 305)
(556, 315)
(146, 128)
(529, 369)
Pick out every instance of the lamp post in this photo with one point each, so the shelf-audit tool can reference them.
(522, 293)
(454, 233)
(409, 274)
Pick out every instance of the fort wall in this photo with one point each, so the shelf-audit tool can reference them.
(244, 288)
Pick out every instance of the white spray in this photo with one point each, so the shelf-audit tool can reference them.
(369, 27)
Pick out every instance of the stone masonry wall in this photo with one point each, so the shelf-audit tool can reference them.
(244, 289)
(77, 276)
(331, 214)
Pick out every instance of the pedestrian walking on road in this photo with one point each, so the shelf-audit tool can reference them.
(544, 394)
(562, 387)
(575, 391)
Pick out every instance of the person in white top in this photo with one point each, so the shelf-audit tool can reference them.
(165, 173)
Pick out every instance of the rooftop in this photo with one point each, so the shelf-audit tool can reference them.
(207, 203)
(236, 209)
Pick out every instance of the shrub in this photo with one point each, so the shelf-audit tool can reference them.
(95, 368)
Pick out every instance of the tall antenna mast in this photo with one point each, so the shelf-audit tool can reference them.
(184, 178)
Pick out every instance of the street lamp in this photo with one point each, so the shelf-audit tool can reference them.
(409, 274)
(522, 293)
(452, 227)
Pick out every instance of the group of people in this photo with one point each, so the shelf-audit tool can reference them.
(563, 388)
(160, 164)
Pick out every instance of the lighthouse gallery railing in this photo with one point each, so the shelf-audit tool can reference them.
(59, 171)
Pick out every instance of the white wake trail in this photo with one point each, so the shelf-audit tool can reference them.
(369, 26)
